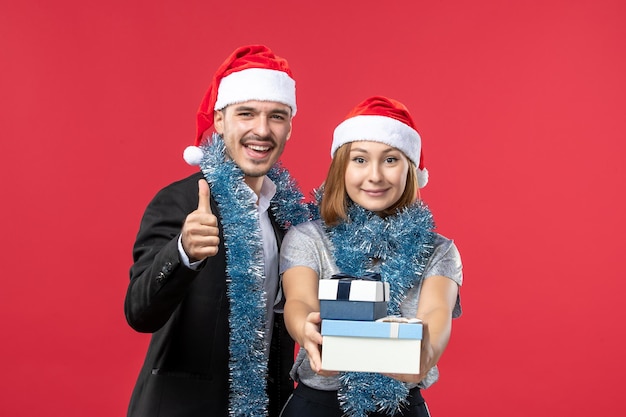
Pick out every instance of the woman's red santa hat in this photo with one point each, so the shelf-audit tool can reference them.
(385, 120)
(251, 72)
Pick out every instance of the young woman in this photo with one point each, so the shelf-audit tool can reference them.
(372, 220)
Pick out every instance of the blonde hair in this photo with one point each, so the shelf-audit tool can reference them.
(334, 205)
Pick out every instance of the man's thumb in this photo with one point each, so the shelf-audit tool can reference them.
(204, 196)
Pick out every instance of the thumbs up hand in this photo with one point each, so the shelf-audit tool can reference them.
(200, 234)
(204, 197)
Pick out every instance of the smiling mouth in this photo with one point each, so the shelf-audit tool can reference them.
(258, 148)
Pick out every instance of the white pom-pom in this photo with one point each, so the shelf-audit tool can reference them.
(422, 177)
(193, 155)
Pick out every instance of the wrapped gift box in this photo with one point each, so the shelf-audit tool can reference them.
(352, 310)
(371, 346)
(350, 289)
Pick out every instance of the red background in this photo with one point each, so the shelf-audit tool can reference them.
(518, 104)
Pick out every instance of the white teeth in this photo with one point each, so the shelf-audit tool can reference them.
(259, 148)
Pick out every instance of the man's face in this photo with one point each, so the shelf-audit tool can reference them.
(255, 133)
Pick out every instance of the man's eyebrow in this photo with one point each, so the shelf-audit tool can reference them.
(244, 108)
(280, 111)
(254, 109)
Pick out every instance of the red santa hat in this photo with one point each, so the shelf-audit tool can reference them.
(385, 120)
(251, 72)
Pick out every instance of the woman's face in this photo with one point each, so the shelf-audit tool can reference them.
(376, 175)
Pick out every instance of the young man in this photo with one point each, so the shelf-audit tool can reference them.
(205, 272)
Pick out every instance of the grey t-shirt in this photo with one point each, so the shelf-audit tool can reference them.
(307, 245)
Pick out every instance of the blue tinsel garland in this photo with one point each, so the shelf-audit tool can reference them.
(244, 260)
(398, 247)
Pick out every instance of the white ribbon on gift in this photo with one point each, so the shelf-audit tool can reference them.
(395, 321)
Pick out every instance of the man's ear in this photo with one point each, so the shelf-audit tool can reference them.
(218, 121)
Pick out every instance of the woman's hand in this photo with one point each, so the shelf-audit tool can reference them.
(312, 343)
(302, 317)
(427, 360)
(312, 340)
(436, 303)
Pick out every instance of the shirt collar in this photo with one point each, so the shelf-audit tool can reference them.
(268, 190)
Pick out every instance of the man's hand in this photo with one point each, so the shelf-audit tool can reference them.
(200, 234)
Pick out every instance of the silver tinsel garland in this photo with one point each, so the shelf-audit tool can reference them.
(244, 260)
(398, 247)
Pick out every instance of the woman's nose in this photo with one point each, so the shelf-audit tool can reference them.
(375, 174)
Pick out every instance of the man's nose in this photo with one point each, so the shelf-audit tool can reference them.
(262, 126)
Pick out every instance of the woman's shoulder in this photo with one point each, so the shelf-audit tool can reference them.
(311, 228)
(445, 248)
(441, 240)
(308, 234)
(445, 260)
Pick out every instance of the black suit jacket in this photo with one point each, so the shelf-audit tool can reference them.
(185, 372)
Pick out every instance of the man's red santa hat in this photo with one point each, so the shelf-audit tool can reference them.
(385, 120)
(251, 72)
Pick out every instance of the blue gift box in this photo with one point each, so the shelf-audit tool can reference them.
(376, 329)
(371, 346)
(352, 310)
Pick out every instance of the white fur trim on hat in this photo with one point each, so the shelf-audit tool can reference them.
(193, 155)
(257, 84)
(379, 129)
(422, 177)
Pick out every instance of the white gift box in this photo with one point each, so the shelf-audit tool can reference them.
(353, 290)
(372, 346)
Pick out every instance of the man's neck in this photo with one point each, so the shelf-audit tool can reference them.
(255, 183)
